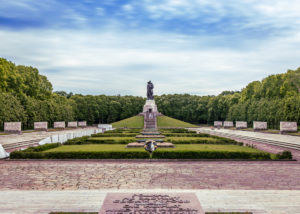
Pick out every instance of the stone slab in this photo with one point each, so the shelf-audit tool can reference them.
(107, 127)
(12, 127)
(160, 145)
(255, 201)
(150, 104)
(228, 124)
(82, 124)
(175, 203)
(218, 123)
(288, 126)
(41, 126)
(60, 125)
(72, 124)
(258, 125)
(241, 124)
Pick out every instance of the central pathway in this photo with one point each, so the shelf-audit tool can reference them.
(77, 175)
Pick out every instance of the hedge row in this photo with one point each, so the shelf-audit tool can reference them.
(186, 135)
(109, 141)
(204, 141)
(80, 155)
(115, 134)
(160, 154)
(124, 131)
(42, 147)
(180, 130)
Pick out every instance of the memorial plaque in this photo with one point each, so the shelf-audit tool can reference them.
(288, 127)
(260, 125)
(173, 203)
(241, 124)
(41, 126)
(72, 124)
(228, 124)
(60, 125)
(82, 124)
(12, 127)
(218, 123)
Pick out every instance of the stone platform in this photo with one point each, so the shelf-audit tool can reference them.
(160, 145)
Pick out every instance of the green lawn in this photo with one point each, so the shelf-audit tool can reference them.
(132, 122)
(118, 148)
(168, 122)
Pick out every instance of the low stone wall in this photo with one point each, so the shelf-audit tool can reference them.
(107, 127)
(41, 126)
(82, 124)
(241, 124)
(13, 127)
(62, 138)
(228, 124)
(288, 127)
(60, 125)
(218, 123)
(72, 124)
(257, 125)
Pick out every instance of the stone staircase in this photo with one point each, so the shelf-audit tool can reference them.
(22, 144)
(150, 120)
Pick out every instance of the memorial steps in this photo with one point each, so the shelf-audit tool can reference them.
(255, 139)
(22, 144)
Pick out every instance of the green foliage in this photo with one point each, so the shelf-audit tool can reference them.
(27, 96)
(115, 134)
(285, 155)
(202, 140)
(161, 154)
(132, 122)
(164, 121)
(179, 130)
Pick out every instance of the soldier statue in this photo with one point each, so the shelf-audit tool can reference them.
(150, 87)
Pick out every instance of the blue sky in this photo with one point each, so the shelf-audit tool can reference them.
(184, 46)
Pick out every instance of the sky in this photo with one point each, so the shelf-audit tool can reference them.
(200, 47)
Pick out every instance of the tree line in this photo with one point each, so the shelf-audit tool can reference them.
(27, 96)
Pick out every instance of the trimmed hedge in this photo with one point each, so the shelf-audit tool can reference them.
(41, 147)
(124, 131)
(186, 135)
(109, 141)
(77, 141)
(80, 155)
(285, 155)
(179, 130)
(160, 154)
(115, 135)
(204, 141)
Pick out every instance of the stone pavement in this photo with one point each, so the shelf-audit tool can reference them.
(14, 138)
(258, 202)
(80, 175)
(267, 136)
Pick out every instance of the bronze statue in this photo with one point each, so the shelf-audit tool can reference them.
(150, 87)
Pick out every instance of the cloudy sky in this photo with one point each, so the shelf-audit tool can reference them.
(114, 47)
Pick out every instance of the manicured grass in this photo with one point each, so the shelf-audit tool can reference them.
(168, 122)
(120, 148)
(132, 122)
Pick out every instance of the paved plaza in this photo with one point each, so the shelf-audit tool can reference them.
(42, 186)
(76, 175)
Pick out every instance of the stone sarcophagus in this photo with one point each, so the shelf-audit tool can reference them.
(60, 125)
(13, 127)
(218, 123)
(72, 124)
(288, 127)
(228, 124)
(82, 124)
(41, 126)
(257, 125)
(241, 124)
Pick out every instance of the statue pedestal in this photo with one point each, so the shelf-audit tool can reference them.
(150, 107)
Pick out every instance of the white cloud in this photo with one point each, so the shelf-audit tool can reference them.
(115, 62)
